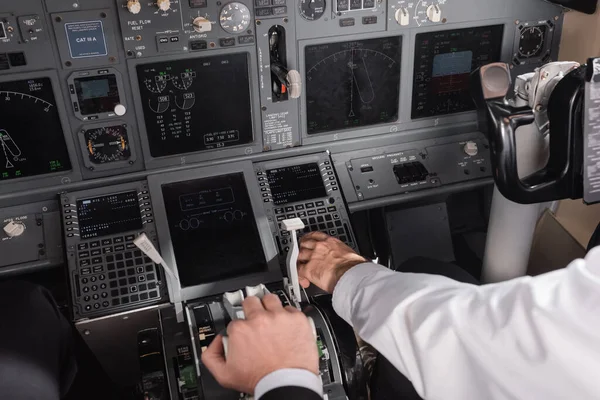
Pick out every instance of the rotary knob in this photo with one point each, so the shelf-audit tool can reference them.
(434, 13)
(14, 229)
(201, 24)
(471, 149)
(134, 6)
(402, 16)
(163, 5)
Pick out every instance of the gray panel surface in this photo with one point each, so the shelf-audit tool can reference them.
(280, 120)
(446, 162)
(93, 49)
(38, 246)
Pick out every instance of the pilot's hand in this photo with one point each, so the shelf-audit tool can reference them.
(323, 260)
(270, 338)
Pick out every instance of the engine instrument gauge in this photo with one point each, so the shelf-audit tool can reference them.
(107, 144)
(312, 9)
(235, 18)
(531, 41)
(352, 84)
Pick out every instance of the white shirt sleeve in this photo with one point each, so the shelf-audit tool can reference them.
(289, 377)
(529, 338)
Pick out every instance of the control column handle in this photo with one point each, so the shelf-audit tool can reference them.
(499, 120)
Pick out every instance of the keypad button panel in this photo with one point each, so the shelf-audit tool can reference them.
(125, 274)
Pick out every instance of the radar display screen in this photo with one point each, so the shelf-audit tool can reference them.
(296, 183)
(108, 215)
(31, 134)
(97, 94)
(196, 104)
(443, 63)
(352, 84)
(213, 229)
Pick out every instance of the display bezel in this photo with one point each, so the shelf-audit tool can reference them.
(52, 178)
(255, 146)
(413, 92)
(272, 273)
(111, 80)
(131, 135)
(99, 72)
(328, 136)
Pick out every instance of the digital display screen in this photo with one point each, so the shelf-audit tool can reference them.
(196, 104)
(452, 64)
(352, 84)
(32, 140)
(296, 183)
(109, 215)
(213, 229)
(97, 94)
(443, 63)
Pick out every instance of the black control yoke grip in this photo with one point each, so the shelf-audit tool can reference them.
(499, 121)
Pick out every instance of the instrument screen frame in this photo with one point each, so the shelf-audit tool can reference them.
(253, 147)
(272, 272)
(363, 131)
(52, 178)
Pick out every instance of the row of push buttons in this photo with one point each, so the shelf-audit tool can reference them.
(270, 7)
(352, 5)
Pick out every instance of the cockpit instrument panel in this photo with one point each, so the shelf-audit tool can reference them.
(196, 104)
(352, 84)
(31, 134)
(443, 62)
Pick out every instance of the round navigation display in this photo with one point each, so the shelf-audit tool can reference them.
(352, 84)
(32, 141)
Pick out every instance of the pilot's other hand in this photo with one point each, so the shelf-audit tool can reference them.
(323, 260)
(270, 338)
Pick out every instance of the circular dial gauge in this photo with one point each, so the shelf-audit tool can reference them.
(312, 9)
(235, 18)
(107, 144)
(531, 41)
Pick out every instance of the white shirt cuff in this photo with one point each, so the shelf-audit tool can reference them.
(348, 284)
(289, 377)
